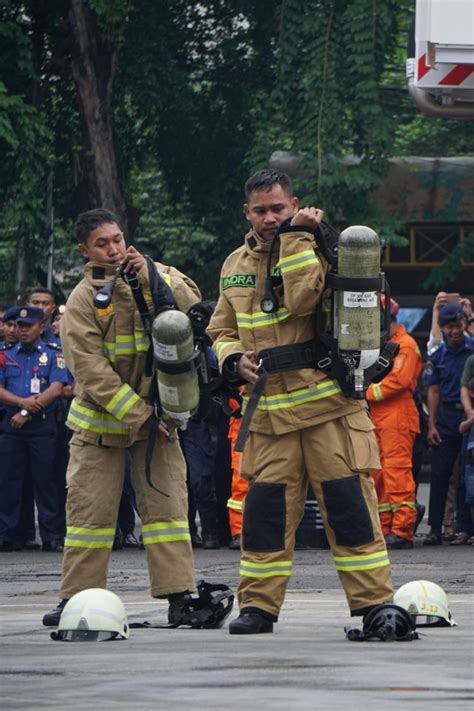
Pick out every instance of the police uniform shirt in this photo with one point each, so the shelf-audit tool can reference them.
(445, 368)
(27, 372)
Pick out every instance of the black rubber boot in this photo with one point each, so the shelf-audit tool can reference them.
(252, 621)
(51, 619)
(178, 607)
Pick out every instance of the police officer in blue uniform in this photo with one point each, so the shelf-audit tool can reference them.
(442, 375)
(32, 376)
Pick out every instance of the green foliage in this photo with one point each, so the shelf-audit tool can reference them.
(203, 94)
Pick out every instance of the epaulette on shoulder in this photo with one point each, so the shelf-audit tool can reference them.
(56, 346)
(7, 348)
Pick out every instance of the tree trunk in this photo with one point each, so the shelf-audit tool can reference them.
(94, 64)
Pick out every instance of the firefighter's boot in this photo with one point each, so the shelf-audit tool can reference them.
(252, 621)
(51, 619)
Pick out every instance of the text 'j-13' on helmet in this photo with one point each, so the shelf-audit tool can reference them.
(92, 615)
(426, 602)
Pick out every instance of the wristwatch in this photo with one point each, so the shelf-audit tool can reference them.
(24, 413)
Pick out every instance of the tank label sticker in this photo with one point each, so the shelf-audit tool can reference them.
(165, 351)
(169, 395)
(360, 299)
(239, 280)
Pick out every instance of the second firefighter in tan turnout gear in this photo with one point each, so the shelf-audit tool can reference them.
(105, 349)
(303, 427)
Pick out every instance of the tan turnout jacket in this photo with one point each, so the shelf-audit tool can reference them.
(105, 350)
(297, 398)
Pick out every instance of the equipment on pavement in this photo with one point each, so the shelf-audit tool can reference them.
(92, 615)
(426, 602)
(387, 623)
(214, 602)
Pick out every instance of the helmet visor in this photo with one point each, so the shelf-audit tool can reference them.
(83, 636)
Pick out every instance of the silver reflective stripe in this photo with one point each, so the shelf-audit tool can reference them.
(164, 532)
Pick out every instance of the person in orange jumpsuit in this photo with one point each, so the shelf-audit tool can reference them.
(240, 487)
(396, 420)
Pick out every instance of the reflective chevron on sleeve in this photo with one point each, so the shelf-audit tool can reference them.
(265, 570)
(165, 531)
(351, 563)
(81, 537)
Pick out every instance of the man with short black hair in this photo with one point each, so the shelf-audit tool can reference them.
(43, 299)
(443, 374)
(111, 414)
(303, 427)
(32, 375)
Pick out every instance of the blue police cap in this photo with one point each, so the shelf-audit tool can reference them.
(10, 314)
(450, 312)
(29, 314)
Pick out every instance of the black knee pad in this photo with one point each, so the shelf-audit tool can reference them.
(347, 511)
(264, 518)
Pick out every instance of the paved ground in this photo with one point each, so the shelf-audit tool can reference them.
(305, 664)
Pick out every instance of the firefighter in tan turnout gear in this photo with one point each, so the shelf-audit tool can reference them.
(105, 349)
(303, 427)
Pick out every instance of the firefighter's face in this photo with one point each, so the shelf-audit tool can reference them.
(267, 209)
(106, 244)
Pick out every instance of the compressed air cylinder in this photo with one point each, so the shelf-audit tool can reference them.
(358, 312)
(173, 344)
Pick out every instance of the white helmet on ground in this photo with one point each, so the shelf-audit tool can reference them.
(93, 615)
(427, 602)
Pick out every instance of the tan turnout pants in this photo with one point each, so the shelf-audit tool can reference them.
(337, 457)
(95, 480)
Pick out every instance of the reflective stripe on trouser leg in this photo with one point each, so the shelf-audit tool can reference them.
(164, 518)
(273, 508)
(339, 455)
(95, 481)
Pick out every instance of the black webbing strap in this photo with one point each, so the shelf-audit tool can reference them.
(250, 409)
(291, 357)
(342, 283)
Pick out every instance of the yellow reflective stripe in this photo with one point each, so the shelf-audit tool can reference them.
(281, 568)
(297, 397)
(410, 504)
(165, 531)
(377, 391)
(123, 400)
(220, 346)
(165, 277)
(235, 505)
(78, 537)
(259, 318)
(361, 562)
(142, 342)
(384, 507)
(298, 261)
(95, 421)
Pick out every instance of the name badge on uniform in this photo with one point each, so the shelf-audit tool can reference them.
(35, 385)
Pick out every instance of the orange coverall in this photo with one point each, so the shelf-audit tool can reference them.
(396, 420)
(240, 486)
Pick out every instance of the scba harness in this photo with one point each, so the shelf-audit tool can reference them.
(322, 352)
(208, 610)
(213, 390)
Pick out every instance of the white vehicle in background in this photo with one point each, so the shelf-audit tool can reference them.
(440, 68)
